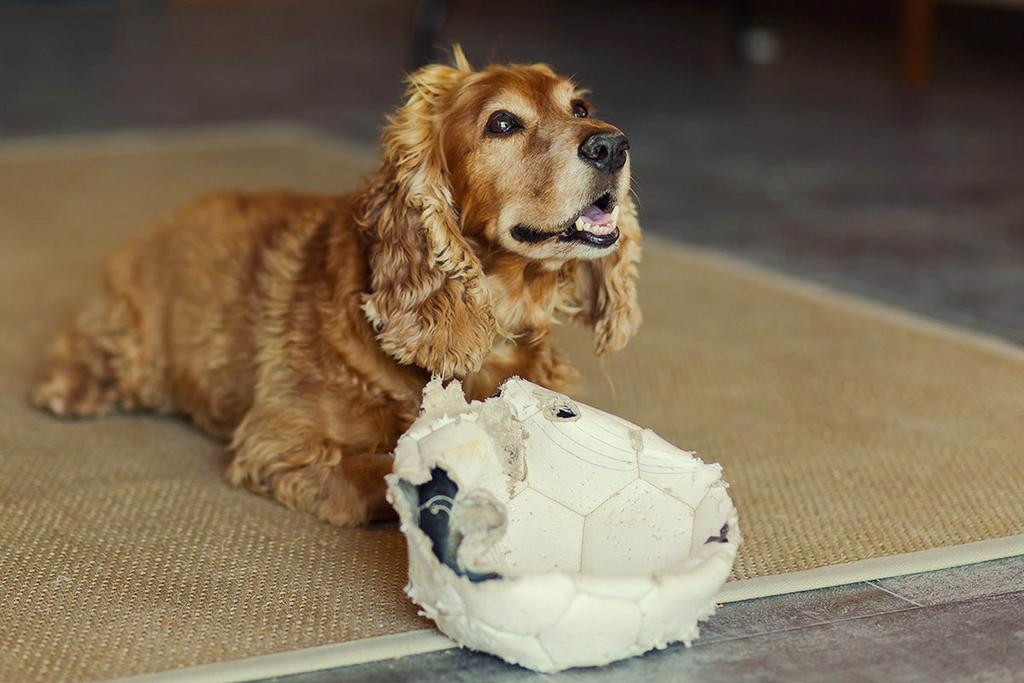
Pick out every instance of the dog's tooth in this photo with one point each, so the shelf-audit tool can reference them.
(581, 224)
(615, 215)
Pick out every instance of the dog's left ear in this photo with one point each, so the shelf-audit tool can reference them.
(605, 289)
(428, 303)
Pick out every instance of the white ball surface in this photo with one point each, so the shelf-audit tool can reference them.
(553, 534)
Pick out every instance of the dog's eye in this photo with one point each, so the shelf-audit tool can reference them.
(502, 123)
(580, 110)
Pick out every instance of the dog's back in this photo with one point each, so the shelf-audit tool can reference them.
(186, 308)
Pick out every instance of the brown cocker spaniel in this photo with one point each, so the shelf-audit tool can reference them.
(303, 328)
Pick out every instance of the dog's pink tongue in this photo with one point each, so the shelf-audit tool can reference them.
(597, 221)
(596, 216)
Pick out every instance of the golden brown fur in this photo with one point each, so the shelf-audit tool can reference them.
(303, 328)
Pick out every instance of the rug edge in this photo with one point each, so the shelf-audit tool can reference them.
(304, 660)
(423, 641)
(884, 567)
(812, 290)
(148, 139)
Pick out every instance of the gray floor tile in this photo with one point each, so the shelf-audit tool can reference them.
(960, 583)
(797, 610)
(978, 640)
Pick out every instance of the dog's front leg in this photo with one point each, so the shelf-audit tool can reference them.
(278, 452)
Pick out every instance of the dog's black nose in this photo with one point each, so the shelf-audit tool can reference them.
(606, 151)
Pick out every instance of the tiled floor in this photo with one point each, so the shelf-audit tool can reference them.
(821, 166)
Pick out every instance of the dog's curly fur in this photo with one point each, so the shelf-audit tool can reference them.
(303, 328)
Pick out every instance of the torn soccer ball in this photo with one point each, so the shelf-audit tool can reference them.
(555, 535)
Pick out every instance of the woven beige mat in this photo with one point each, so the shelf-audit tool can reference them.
(847, 434)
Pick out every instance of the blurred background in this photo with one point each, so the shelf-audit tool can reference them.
(877, 146)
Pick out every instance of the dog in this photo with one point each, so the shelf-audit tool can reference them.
(302, 329)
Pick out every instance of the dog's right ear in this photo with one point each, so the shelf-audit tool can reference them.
(427, 302)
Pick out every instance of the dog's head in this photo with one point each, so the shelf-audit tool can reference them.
(507, 159)
(530, 167)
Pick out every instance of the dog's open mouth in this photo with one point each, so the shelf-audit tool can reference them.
(596, 225)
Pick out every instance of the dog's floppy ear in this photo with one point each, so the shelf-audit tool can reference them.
(428, 303)
(605, 288)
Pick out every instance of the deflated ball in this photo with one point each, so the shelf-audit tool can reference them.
(553, 534)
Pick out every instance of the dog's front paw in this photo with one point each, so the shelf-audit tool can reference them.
(73, 391)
